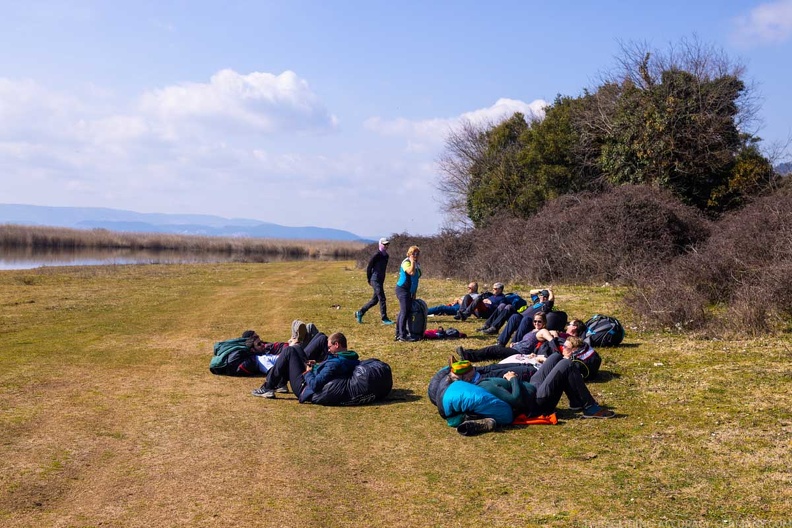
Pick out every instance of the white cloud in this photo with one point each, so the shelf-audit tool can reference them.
(29, 110)
(769, 23)
(426, 135)
(235, 146)
(255, 103)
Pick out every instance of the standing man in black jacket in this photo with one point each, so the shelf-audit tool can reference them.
(375, 273)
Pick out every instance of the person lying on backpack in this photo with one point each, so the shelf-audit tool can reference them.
(244, 356)
(484, 305)
(528, 345)
(585, 358)
(540, 396)
(459, 302)
(305, 374)
(459, 398)
(521, 323)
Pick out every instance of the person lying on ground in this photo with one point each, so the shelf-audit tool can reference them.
(440, 381)
(244, 356)
(306, 375)
(541, 395)
(459, 302)
(543, 301)
(584, 357)
(459, 398)
(521, 323)
(484, 305)
(528, 345)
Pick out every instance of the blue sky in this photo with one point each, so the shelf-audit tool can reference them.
(326, 113)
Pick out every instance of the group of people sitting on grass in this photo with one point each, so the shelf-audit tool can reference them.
(317, 368)
(534, 369)
(560, 361)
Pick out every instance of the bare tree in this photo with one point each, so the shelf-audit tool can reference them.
(465, 149)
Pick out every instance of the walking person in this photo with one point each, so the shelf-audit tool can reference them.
(406, 287)
(375, 274)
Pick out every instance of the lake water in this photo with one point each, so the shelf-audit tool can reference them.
(27, 258)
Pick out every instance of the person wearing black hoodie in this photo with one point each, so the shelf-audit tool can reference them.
(375, 274)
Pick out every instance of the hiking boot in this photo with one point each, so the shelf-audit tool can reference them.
(575, 407)
(282, 390)
(263, 393)
(387, 321)
(310, 332)
(595, 411)
(490, 331)
(481, 329)
(457, 317)
(461, 353)
(475, 427)
(299, 330)
(359, 317)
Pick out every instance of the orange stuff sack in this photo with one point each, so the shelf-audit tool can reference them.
(521, 419)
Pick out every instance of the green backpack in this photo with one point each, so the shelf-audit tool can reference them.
(226, 356)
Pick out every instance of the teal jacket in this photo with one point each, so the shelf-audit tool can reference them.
(520, 395)
(406, 281)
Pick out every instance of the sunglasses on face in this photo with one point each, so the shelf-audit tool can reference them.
(538, 321)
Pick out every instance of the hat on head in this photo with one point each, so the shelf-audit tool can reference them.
(497, 286)
(384, 241)
(461, 367)
(544, 293)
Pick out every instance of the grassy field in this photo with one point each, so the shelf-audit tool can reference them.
(110, 417)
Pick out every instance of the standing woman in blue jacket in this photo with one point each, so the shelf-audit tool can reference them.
(406, 286)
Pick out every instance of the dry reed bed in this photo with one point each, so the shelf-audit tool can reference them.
(58, 238)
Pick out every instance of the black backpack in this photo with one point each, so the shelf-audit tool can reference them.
(556, 320)
(416, 324)
(603, 331)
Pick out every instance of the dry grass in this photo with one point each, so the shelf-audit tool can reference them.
(109, 416)
(65, 239)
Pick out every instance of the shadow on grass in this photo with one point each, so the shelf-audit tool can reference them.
(568, 415)
(483, 337)
(604, 376)
(399, 396)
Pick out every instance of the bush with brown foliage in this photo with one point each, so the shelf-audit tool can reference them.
(617, 236)
(740, 281)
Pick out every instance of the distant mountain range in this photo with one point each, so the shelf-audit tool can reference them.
(182, 224)
(784, 168)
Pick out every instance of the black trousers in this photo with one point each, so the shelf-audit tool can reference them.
(379, 296)
(291, 364)
(405, 309)
(559, 376)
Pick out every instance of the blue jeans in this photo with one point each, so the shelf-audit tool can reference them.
(444, 309)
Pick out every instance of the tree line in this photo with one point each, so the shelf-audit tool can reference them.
(679, 119)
